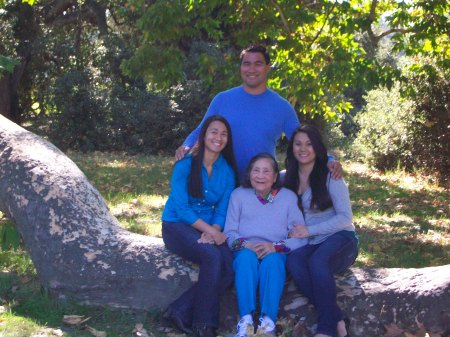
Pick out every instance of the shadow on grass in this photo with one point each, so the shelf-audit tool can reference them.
(373, 193)
(32, 309)
(399, 227)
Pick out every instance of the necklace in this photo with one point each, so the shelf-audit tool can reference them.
(268, 198)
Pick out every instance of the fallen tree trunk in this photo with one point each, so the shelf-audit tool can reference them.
(385, 300)
(77, 246)
(80, 251)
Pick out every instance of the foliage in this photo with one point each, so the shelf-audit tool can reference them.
(81, 120)
(9, 237)
(319, 48)
(385, 129)
(140, 121)
(407, 126)
(429, 81)
(7, 65)
(133, 53)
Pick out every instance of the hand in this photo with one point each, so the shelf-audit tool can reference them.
(181, 152)
(206, 238)
(335, 168)
(299, 231)
(216, 234)
(263, 249)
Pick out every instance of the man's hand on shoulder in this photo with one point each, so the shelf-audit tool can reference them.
(181, 152)
(335, 168)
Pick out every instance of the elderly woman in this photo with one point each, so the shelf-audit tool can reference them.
(332, 244)
(259, 217)
(193, 219)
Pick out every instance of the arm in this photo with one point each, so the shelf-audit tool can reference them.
(222, 205)
(192, 138)
(295, 218)
(291, 122)
(179, 192)
(210, 233)
(334, 167)
(231, 228)
(343, 212)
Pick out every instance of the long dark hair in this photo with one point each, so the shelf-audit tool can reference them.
(318, 177)
(247, 182)
(195, 184)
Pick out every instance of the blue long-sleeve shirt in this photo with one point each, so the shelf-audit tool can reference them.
(212, 208)
(257, 122)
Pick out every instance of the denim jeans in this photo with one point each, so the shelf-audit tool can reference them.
(199, 305)
(312, 268)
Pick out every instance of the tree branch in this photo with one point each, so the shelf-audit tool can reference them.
(321, 28)
(283, 18)
(375, 39)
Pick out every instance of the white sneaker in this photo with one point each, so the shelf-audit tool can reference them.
(266, 326)
(245, 326)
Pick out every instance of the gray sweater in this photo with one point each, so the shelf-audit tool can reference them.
(248, 218)
(322, 224)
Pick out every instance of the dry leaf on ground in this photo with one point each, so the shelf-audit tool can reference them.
(75, 320)
(95, 332)
(140, 331)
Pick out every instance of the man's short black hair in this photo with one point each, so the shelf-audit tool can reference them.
(256, 48)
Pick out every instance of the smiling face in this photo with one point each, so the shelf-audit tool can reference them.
(216, 137)
(303, 149)
(254, 71)
(262, 176)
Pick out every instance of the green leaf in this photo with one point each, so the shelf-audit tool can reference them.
(7, 64)
(10, 237)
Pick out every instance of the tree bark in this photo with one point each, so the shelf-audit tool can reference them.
(77, 246)
(5, 96)
(80, 252)
(9, 83)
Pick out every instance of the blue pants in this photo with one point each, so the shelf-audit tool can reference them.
(269, 272)
(312, 268)
(199, 305)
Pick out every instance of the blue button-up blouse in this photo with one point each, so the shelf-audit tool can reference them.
(212, 208)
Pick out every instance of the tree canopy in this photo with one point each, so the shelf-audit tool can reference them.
(111, 74)
(319, 48)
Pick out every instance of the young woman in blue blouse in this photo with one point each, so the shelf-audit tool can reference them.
(332, 244)
(192, 224)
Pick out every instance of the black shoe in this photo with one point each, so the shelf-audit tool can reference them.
(204, 331)
(176, 320)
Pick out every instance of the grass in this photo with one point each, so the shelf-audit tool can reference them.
(402, 220)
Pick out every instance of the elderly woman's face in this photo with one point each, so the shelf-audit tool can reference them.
(262, 176)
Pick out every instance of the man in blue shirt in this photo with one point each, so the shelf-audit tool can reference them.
(258, 115)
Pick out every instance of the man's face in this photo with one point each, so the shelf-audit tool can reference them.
(254, 72)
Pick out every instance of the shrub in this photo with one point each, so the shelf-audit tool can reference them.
(79, 122)
(385, 125)
(428, 87)
(408, 125)
(123, 118)
(141, 121)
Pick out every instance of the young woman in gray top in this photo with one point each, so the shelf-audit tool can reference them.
(332, 244)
